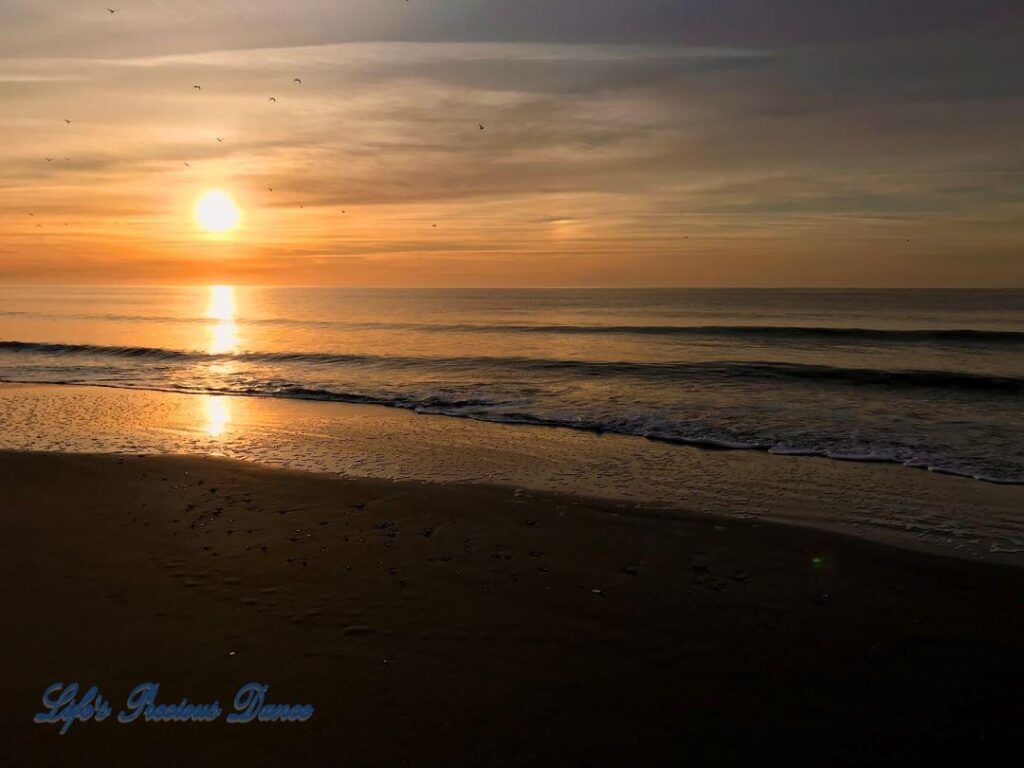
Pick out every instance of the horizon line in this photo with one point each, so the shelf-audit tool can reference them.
(210, 283)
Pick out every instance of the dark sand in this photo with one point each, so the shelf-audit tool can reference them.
(435, 625)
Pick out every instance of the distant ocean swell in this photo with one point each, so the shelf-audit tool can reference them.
(693, 372)
(771, 332)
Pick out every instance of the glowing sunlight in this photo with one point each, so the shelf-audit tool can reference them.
(221, 307)
(218, 415)
(216, 211)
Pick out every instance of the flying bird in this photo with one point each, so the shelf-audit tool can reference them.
(297, 80)
(112, 11)
(481, 126)
(198, 87)
(272, 99)
(49, 159)
(68, 122)
(188, 165)
(220, 140)
(270, 189)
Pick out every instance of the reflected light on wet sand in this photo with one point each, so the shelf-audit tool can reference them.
(223, 335)
(218, 415)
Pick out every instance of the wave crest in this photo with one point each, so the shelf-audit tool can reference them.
(706, 372)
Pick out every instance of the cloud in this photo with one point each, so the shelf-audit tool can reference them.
(652, 159)
(82, 28)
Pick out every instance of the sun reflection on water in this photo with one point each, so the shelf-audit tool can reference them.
(223, 340)
(221, 307)
(222, 302)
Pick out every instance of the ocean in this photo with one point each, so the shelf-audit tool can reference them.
(924, 378)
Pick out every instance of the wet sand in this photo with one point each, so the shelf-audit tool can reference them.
(478, 625)
(884, 502)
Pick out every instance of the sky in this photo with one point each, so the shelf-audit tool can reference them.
(796, 143)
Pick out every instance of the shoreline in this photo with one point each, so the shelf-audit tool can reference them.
(881, 502)
(486, 625)
(707, 444)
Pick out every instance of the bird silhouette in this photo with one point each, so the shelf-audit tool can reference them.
(270, 189)
(113, 10)
(68, 122)
(49, 159)
(481, 126)
(272, 99)
(297, 80)
(198, 87)
(188, 165)
(220, 140)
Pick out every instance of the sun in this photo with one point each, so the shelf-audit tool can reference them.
(215, 211)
